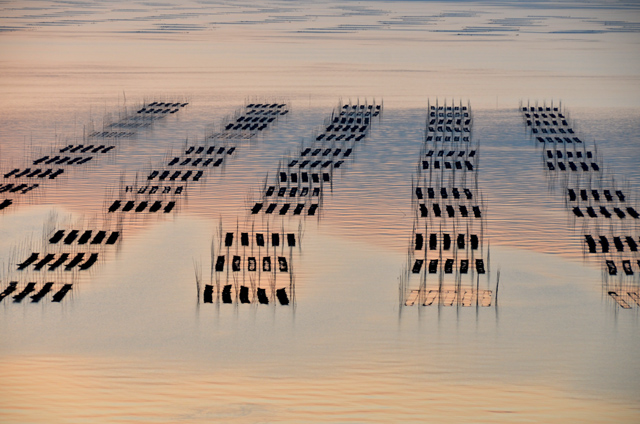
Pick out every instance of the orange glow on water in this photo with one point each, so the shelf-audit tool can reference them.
(86, 389)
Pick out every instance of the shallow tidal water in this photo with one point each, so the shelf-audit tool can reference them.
(135, 340)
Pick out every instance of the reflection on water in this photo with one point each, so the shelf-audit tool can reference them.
(93, 125)
(340, 280)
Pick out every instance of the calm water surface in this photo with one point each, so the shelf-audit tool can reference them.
(134, 340)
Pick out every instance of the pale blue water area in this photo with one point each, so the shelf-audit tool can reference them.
(137, 339)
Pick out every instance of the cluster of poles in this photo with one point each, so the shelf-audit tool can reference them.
(255, 264)
(447, 253)
(52, 265)
(603, 212)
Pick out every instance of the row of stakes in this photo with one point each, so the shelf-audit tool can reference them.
(448, 135)
(69, 261)
(299, 187)
(301, 178)
(562, 153)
